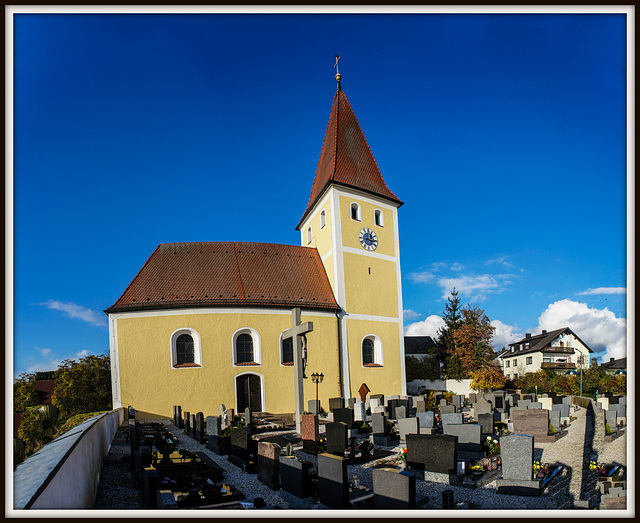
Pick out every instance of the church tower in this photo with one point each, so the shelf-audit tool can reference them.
(352, 220)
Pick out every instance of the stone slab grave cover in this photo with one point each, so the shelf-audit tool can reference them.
(310, 427)
(336, 403)
(425, 419)
(532, 422)
(407, 426)
(295, 476)
(333, 484)
(393, 489)
(336, 434)
(469, 436)
(432, 453)
(269, 464)
(343, 415)
(486, 422)
(453, 417)
(516, 451)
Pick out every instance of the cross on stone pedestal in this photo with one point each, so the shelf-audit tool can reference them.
(297, 331)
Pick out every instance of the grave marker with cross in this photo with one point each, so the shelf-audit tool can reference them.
(297, 332)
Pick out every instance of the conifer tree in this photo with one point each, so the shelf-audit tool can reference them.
(452, 321)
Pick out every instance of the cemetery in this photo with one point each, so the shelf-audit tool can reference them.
(497, 450)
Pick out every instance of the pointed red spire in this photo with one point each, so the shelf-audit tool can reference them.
(346, 158)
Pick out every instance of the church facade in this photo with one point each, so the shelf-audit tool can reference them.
(202, 323)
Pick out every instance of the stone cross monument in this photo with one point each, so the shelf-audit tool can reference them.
(297, 332)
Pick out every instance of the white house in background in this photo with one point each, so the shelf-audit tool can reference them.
(560, 350)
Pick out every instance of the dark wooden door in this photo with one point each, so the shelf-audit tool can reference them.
(249, 392)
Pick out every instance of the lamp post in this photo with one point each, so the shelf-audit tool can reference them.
(317, 379)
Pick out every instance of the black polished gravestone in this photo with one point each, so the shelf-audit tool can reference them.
(333, 484)
(187, 421)
(344, 416)
(336, 434)
(177, 416)
(242, 452)
(295, 476)
(393, 489)
(215, 441)
(199, 432)
(486, 422)
(393, 404)
(432, 453)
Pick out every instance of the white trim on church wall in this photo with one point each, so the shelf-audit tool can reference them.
(263, 399)
(377, 350)
(197, 348)
(215, 310)
(372, 254)
(115, 363)
(368, 317)
(256, 345)
(403, 374)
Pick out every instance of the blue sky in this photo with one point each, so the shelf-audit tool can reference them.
(504, 135)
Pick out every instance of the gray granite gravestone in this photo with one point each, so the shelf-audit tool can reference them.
(620, 409)
(421, 405)
(314, 406)
(343, 415)
(486, 422)
(554, 419)
(457, 401)
(563, 408)
(401, 412)
(516, 451)
(407, 426)
(379, 424)
(454, 417)
(393, 489)
(425, 419)
(472, 397)
(611, 417)
(333, 485)
(469, 436)
(481, 406)
(534, 405)
(447, 409)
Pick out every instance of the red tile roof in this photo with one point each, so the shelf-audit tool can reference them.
(229, 274)
(346, 158)
(45, 388)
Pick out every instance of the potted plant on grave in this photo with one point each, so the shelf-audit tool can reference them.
(607, 430)
(600, 469)
(492, 446)
(402, 457)
(366, 447)
(364, 428)
(186, 454)
(551, 430)
(539, 470)
(322, 444)
(477, 469)
(165, 446)
(168, 484)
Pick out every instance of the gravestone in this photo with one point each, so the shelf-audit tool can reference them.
(469, 436)
(314, 406)
(481, 406)
(546, 403)
(524, 403)
(534, 405)
(378, 397)
(425, 419)
(295, 476)
(373, 403)
(457, 400)
(336, 434)
(394, 403)
(532, 422)
(269, 464)
(611, 417)
(359, 411)
(563, 408)
(622, 400)
(455, 418)
(344, 416)
(486, 422)
(241, 450)
(222, 414)
(498, 402)
(472, 397)
(192, 425)
(350, 403)
(447, 409)
(432, 453)
(566, 400)
(336, 403)
(393, 489)
(231, 417)
(214, 431)
(187, 421)
(407, 426)
(199, 432)
(421, 405)
(516, 451)
(554, 419)
(177, 415)
(248, 419)
(310, 427)
(150, 484)
(620, 409)
(379, 424)
(333, 485)
(401, 412)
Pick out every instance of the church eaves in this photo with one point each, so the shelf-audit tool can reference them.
(346, 158)
(229, 274)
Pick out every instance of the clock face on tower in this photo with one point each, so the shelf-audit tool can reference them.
(368, 239)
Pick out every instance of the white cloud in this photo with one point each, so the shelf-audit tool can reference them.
(457, 267)
(476, 286)
(604, 290)
(81, 354)
(600, 329)
(45, 352)
(427, 327)
(408, 314)
(501, 260)
(421, 277)
(504, 334)
(47, 361)
(77, 311)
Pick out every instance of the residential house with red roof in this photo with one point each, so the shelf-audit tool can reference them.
(202, 323)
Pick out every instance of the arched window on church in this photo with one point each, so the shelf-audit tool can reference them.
(185, 349)
(286, 351)
(372, 351)
(246, 347)
(355, 212)
(378, 218)
(323, 219)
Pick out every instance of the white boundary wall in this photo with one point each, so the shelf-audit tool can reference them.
(65, 473)
(456, 386)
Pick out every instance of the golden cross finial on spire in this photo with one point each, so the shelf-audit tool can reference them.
(338, 77)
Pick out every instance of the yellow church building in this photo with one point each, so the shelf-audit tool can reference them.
(202, 323)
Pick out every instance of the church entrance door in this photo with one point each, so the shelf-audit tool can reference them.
(249, 392)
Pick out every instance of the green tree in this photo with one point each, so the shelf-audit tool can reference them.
(452, 321)
(83, 386)
(25, 394)
(34, 430)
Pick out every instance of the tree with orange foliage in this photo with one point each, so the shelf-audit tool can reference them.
(473, 346)
(488, 378)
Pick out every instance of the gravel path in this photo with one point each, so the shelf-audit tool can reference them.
(117, 490)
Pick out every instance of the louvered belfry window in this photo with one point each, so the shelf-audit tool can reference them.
(367, 351)
(244, 348)
(184, 349)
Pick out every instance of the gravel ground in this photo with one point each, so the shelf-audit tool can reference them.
(117, 490)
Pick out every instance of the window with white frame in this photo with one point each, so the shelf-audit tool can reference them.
(507, 364)
(378, 218)
(309, 235)
(355, 212)
(371, 351)
(185, 349)
(246, 347)
(286, 351)
(529, 360)
(323, 219)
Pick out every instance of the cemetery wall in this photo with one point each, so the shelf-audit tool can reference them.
(148, 382)
(65, 473)
(457, 386)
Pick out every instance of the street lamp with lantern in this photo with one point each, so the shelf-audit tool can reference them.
(317, 379)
